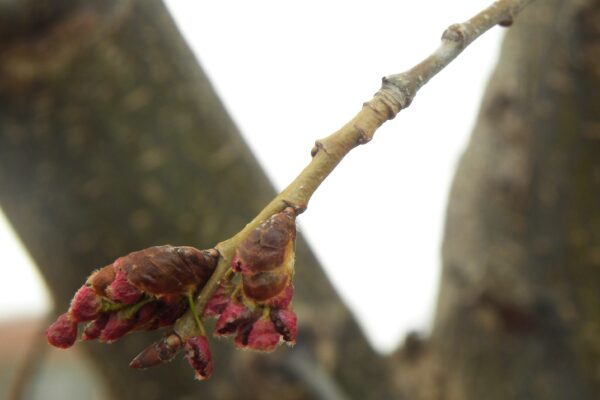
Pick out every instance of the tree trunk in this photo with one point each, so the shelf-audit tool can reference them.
(112, 140)
(518, 314)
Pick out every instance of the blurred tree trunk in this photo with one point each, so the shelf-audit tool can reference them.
(112, 140)
(519, 307)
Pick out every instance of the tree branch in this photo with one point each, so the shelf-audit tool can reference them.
(396, 93)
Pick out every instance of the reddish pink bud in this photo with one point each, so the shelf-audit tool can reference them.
(198, 355)
(116, 327)
(283, 299)
(122, 291)
(93, 329)
(262, 336)
(234, 315)
(86, 305)
(63, 332)
(286, 323)
(218, 302)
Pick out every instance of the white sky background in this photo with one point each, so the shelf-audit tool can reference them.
(292, 72)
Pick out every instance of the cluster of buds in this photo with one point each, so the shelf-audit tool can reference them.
(257, 310)
(143, 290)
(153, 288)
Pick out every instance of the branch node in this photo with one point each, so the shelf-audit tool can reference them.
(318, 146)
(296, 209)
(363, 137)
(456, 33)
(399, 89)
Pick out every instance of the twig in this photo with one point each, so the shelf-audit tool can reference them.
(396, 93)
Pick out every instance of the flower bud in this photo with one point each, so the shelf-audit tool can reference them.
(157, 271)
(262, 286)
(86, 305)
(198, 355)
(146, 289)
(283, 299)
(169, 313)
(268, 246)
(146, 315)
(94, 329)
(63, 332)
(285, 322)
(218, 302)
(234, 315)
(262, 336)
(118, 325)
(122, 291)
(266, 257)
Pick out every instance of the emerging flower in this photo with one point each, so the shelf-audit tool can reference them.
(233, 317)
(143, 290)
(258, 311)
(261, 335)
(153, 288)
(198, 355)
(219, 300)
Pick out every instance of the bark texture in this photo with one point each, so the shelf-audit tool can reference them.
(112, 140)
(518, 313)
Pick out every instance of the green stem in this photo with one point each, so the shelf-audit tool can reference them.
(199, 325)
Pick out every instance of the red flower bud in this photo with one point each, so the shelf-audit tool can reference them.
(116, 327)
(285, 322)
(266, 262)
(169, 313)
(198, 355)
(122, 291)
(218, 302)
(262, 336)
(234, 315)
(86, 305)
(283, 299)
(146, 314)
(94, 329)
(266, 259)
(63, 332)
